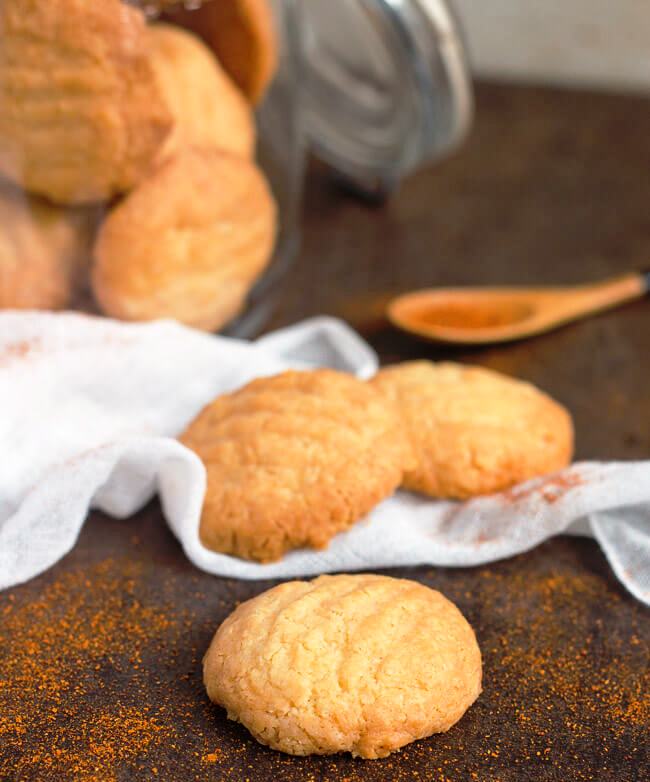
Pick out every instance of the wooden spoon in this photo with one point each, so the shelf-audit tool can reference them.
(485, 315)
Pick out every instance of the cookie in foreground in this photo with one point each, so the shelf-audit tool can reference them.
(475, 431)
(294, 459)
(350, 663)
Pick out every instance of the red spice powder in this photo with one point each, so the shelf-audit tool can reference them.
(550, 489)
(18, 350)
(100, 678)
(84, 624)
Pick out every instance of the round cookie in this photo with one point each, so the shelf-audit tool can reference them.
(44, 251)
(242, 34)
(81, 117)
(475, 431)
(208, 109)
(187, 243)
(351, 663)
(294, 459)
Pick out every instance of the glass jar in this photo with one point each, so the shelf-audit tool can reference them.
(373, 87)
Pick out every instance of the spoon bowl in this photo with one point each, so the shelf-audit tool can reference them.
(488, 315)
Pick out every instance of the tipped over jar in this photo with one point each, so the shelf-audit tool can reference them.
(151, 163)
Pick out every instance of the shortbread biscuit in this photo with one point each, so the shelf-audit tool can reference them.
(294, 459)
(352, 663)
(242, 33)
(475, 431)
(208, 109)
(187, 243)
(81, 116)
(44, 251)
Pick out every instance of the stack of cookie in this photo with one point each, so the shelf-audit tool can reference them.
(294, 459)
(132, 144)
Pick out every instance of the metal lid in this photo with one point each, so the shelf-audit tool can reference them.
(385, 86)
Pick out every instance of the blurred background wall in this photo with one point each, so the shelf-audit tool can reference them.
(599, 43)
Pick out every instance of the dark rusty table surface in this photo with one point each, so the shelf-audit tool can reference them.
(100, 657)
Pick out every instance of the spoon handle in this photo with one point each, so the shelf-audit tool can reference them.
(598, 296)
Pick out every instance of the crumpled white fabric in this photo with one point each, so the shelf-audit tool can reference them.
(88, 413)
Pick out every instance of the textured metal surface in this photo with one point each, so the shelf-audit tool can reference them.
(100, 657)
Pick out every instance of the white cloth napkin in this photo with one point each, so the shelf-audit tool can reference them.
(88, 413)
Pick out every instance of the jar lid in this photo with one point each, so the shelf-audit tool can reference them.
(384, 86)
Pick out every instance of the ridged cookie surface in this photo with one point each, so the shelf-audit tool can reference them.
(294, 459)
(81, 117)
(187, 243)
(350, 663)
(475, 431)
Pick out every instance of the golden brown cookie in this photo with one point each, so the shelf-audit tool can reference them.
(187, 243)
(81, 117)
(208, 109)
(242, 34)
(351, 663)
(44, 251)
(475, 431)
(294, 459)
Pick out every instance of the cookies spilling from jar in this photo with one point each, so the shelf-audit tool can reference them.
(293, 460)
(127, 164)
